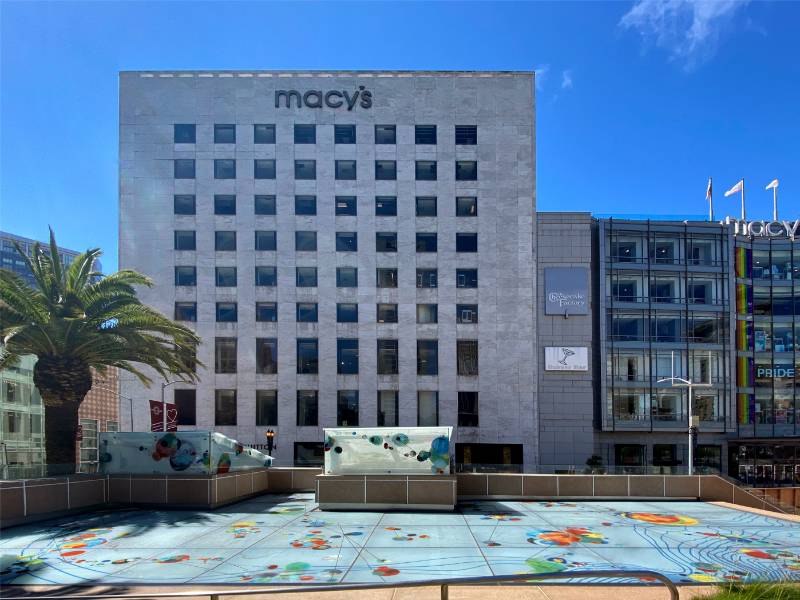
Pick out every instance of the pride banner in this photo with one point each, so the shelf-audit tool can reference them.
(744, 299)
(744, 371)
(744, 335)
(744, 262)
(746, 408)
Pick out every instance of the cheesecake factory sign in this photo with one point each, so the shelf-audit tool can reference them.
(764, 229)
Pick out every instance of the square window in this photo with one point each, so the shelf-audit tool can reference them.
(427, 278)
(386, 206)
(346, 169)
(466, 313)
(225, 355)
(347, 408)
(426, 242)
(467, 409)
(306, 277)
(387, 357)
(183, 168)
(386, 278)
(186, 311)
(224, 204)
(347, 312)
(307, 356)
(427, 409)
(183, 133)
(305, 134)
(346, 241)
(305, 205)
(427, 314)
(388, 410)
(306, 312)
(263, 134)
(184, 204)
(266, 276)
(224, 408)
(266, 408)
(425, 170)
(467, 278)
(225, 241)
(186, 276)
(427, 357)
(386, 241)
(467, 357)
(385, 134)
(386, 313)
(305, 169)
(186, 404)
(466, 170)
(385, 170)
(225, 276)
(425, 134)
(344, 134)
(466, 206)
(347, 356)
(307, 408)
(264, 205)
(264, 168)
(224, 168)
(305, 241)
(224, 134)
(267, 312)
(346, 206)
(226, 312)
(266, 356)
(346, 277)
(466, 135)
(185, 240)
(426, 206)
(466, 242)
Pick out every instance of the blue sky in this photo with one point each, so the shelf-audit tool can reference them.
(638, 103)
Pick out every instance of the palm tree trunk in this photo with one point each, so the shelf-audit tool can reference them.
(61, 425)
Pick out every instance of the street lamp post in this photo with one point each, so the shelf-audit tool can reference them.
(128, 398)
(165, 385)
(270, 440)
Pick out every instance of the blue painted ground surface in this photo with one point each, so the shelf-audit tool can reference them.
(274, 539)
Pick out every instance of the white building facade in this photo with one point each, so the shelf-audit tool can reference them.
(353, 248)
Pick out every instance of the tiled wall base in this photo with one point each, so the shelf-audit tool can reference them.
(386, 492)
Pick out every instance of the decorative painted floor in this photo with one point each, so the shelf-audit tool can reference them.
(282, 539)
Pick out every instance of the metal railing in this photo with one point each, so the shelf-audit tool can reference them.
(444, 586)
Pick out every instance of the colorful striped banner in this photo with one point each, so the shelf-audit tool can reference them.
(744, 335)
(744, 262)
(744, 371)
(746, 408)
(744, 299)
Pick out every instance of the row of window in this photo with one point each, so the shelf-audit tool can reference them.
(385, 170)
(307, 408)
(225, 356)
(306, 241)
(267, 276)
(264, 133)
(308, 312)
(385, 206)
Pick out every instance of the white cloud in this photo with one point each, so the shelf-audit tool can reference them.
(566, 79)
(541, 75)
(688, 29)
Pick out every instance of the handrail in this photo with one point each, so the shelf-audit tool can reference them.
(444, 585)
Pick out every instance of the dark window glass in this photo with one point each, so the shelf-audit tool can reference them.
(305, 205)
(309, 454)
(307, 356)
(186, 276)
(427, 313)
(267, 311)
(386, 241)
(387, 357)
(189, 357)
(388, 410)
(183, 133)
(386, 313)
(224, 407)
(306, 312)
(266, 408)
(347, 312)
(344, 134)
(427, 278)
(467, 409)
(466, 170)
(346, 169)
(386, 206)
(425, 170)
(425, 134)
(263, 134)
(225, 276)
(385, 170)
(225, 355)
(224, 168)
(186, 405)
(185, 240)
(426, 206)
(466, 313)
(224, 134)
(305, 169)
(306, 277)
(305, 134)
(466, 242)
(427, 409)
(266, 356)
(226, 312)
(347, 408)
(266, 241)
(186, 311)
(385, 134)
(307, 408)
(264, 168)
(305, 241)
(346, 277)
(427, 357)
(466, 206)
(266, 276)
(466, 135)
(346, 205)
(183, 168)
(264, 205)
(184, 204)
(467, 357)
(224, 204)
(386, 278)
(225, 241)
(467, 278)
(426, 242)
(347, 356)
(346, 241)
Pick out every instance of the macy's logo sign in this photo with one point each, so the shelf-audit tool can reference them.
(318, 99)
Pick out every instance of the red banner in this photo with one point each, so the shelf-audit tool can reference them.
(172, 417)
(156, 416)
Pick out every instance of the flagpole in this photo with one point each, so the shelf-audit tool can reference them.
(710, 201)
(775, 203)
(744, 217)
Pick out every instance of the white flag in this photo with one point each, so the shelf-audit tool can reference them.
(708, 191)
(772, 184)
(737, 188)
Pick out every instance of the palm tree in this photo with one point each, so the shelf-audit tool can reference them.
(74, 320)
